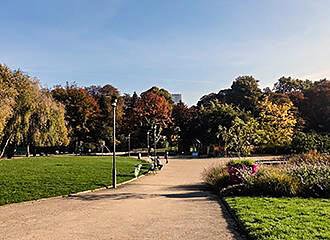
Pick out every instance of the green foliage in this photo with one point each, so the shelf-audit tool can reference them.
(246, 162)
(314, 107)
(183, 127)
(305, 142)
(272, 182)
(288, 85)
(282, 218)
(245, 93)
(313, 173)
(215, 115)
(314, 180)
(34, 178)
(216, 176)
(240, 137)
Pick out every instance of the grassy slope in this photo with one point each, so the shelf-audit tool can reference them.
(40, 177)
(283, 218)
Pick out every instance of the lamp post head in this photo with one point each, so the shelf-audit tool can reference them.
(114, 101)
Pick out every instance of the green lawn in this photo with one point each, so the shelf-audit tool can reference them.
(283, 218)
(39, 177)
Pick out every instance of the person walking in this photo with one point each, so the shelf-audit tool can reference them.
(166, 156)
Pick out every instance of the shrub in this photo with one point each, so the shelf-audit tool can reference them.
(312, 157)
(305, 142)
(240, 170)
(305, 175)
(216, 176)
(314, 179)
(272, 181)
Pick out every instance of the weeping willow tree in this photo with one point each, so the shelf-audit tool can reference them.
(28, 115)
(7, 97)
(47, 125)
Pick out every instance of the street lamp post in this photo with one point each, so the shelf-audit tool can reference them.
(129, 144)
(148, 145)
(114, 172)
(155, 143)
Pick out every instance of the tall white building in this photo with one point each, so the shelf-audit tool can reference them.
(177, 98)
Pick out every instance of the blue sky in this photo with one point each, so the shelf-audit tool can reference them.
(192, 47)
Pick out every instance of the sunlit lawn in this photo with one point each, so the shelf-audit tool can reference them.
(39, 177)
(283, 218)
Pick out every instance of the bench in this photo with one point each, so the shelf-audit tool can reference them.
(137, 169)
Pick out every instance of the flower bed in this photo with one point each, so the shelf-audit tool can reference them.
(305, 175)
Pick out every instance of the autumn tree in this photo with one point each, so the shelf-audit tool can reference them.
(81, 110)
(277, 122)
(24, 102)
(7, 97)
(47, 127)
(18, 125)
(160, 92)
(103, 119)
(184, 126)
(153, 113)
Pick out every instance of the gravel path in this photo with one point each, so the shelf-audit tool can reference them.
(169, 205)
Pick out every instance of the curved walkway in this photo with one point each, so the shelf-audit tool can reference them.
(169, 205)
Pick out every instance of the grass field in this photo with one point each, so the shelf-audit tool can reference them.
(39, 177)
(283, 218)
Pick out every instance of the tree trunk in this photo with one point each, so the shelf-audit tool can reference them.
(27, 150)
(4, 148)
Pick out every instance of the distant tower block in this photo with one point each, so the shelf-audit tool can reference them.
(177, 98)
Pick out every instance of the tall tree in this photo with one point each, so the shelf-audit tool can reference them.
(161, 92)
(217, 114)
(153, 112)
(245, 93)
(315, 106)
(103, 121)
(240, 137)
(47, 126)
(81, 110)
(288, 85)
(27, 119)
(7, 96)
(277, 122)
(183, 126)
(17, 127)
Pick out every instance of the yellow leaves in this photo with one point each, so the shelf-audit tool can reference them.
(277, 122)
(26, 113)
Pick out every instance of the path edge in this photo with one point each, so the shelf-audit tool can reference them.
(232, 213)
(77, 193)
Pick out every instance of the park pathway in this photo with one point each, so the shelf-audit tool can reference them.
(169, 205)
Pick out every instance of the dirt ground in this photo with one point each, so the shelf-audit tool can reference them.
(172, 204)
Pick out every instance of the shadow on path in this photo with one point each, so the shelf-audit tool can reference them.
(193, 192)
